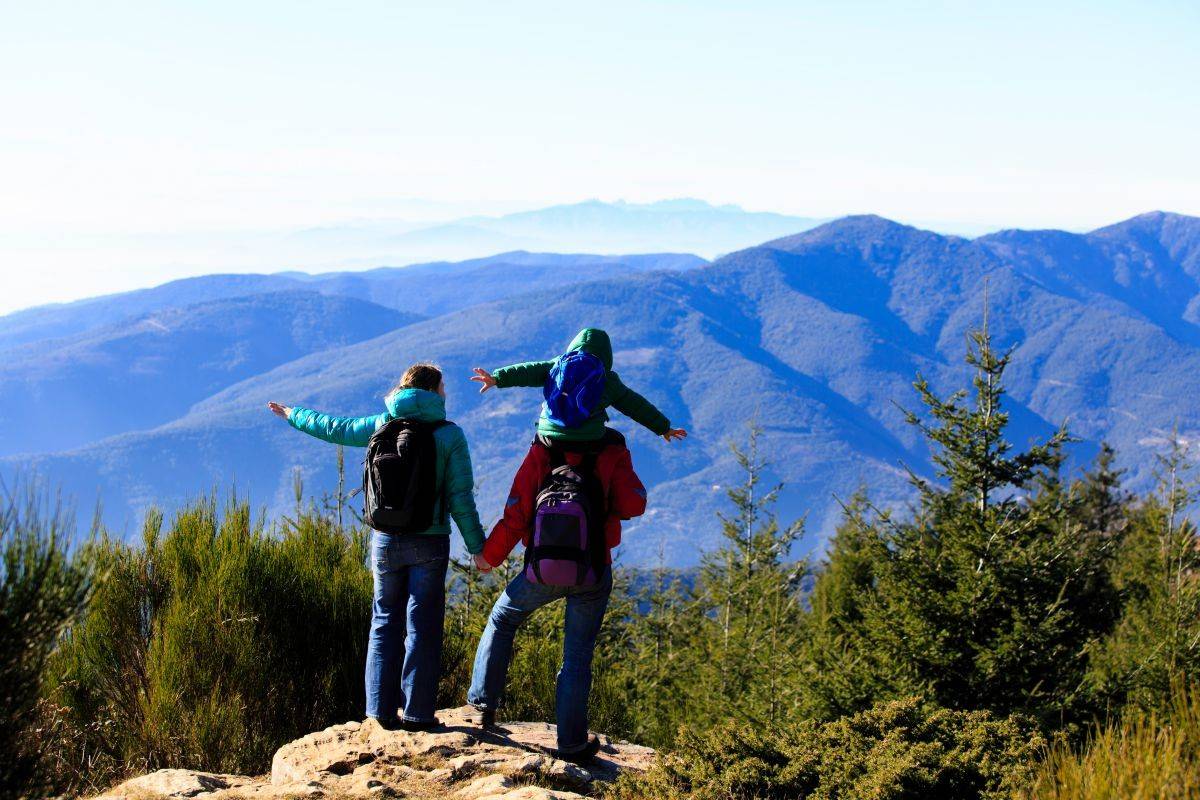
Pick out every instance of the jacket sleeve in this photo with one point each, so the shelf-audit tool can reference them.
(530, 373)
(351, 431)
(626, 494)
(460, 491)
(638, 408)
(518, 509)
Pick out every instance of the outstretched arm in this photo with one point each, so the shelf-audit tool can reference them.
(518, 509)
(642, 411)
(350, 431)
(530, 373)
(460, 492)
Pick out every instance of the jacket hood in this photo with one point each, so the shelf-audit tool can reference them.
(416, 404)
(594, 341)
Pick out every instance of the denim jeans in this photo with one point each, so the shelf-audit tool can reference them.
(585, 612)
(405, 649)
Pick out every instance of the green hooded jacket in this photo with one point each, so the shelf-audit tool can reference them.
(616, 393)
(455, 479)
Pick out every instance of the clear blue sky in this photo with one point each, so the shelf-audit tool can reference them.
(154, 118)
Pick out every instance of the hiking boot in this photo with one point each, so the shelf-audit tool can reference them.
(485, 718)
(581, 757)
(413, 726)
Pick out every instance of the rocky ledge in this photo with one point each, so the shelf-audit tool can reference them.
(361, 759)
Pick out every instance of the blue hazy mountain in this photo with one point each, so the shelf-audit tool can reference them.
(419, 288)
(817, 336)
(65, 319)
(142, 372)
(442, 287)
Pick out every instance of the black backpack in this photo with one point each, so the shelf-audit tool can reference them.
(400, 477)
(567, 546)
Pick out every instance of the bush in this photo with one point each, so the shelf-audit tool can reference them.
(42, 590)
(1148, 756)
(210, 646)
(893, 751)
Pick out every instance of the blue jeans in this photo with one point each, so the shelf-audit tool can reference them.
(405, 649)
(585, 612)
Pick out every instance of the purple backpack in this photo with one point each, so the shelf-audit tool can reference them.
(568, 547)
(573, 388)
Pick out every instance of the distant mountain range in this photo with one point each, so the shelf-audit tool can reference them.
(119, 262)
(686, 225)
(157, 395)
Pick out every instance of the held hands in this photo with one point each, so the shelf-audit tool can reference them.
(278, 410)
(484, 378)
(675, 433)
(481, 563)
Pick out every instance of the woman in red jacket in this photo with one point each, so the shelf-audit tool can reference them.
(623, 497)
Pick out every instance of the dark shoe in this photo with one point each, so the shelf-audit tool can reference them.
(484, 719)
(581, 757)
(487, 718)
(412, 726)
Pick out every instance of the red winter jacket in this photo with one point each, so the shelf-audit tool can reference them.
(625, 492)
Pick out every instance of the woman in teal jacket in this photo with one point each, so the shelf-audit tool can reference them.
(409, 570)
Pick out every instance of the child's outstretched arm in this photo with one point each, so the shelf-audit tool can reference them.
(642, 411)
(529, 373)
(350, 431)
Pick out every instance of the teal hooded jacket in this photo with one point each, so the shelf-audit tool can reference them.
(616, 393)
(455, 478)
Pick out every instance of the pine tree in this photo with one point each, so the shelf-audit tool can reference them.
(839, 672)
(990, 596)
(660, 634)
(1156, 646)
(748, 592)
(1103, 504)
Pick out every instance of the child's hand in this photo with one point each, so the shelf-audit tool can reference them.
(675, 433)
(278, 410)
(483, 377)
(481, 563)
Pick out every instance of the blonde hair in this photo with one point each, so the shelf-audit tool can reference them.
(420, 376)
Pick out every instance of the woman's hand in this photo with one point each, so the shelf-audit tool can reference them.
(484, 378)
(279, 410)
(675, 433)
(481, 563)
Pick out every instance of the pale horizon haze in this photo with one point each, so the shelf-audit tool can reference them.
(135, 135)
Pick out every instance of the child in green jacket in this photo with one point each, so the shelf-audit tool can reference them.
(616, 394)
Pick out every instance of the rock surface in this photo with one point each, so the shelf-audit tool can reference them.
(361, 759)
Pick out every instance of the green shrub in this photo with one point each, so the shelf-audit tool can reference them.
(893, 751)
(42, 590)
(211, 645)
(1146, 757)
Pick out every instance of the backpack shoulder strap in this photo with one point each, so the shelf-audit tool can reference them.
(597, 544)
(557, 457)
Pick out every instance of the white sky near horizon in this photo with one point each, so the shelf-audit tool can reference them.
(123, 124)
